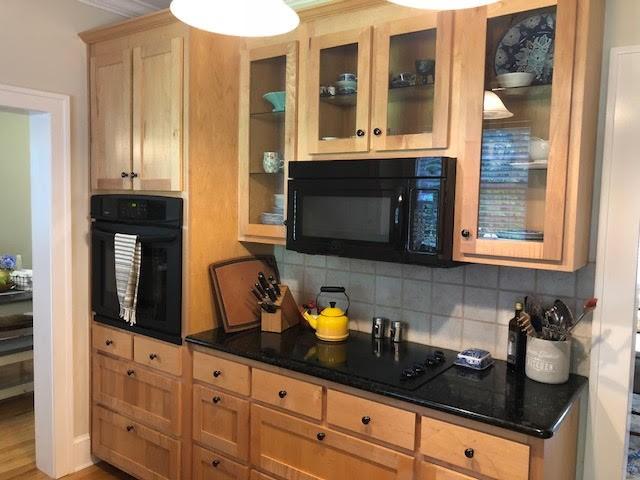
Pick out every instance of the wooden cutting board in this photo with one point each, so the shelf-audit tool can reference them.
(232, 283)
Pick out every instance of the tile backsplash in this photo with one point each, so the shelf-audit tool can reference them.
(468, 306)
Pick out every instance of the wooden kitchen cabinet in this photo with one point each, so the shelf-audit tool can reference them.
(430, 471)
(212, 466)
(137, 99)
(265, 128)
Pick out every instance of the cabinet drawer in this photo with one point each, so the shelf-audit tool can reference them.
(150, 398)
(136, 449)
(211, 466)
(287, 447)
(295, 395)
(110, 340)
(373, 419)
(221, 421)
(486, 454)
(429, 471)
(221, 373)
(255, 475)
(156, 354)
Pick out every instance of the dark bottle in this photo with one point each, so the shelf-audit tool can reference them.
(517, 346)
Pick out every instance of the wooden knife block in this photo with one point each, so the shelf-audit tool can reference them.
(287, 315)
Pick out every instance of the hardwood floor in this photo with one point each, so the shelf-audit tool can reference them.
(17, 446)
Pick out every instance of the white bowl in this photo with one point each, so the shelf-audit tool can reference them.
(538, 148)
(515, 79)
(278, 200)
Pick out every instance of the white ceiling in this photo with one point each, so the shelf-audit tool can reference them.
(135, 8)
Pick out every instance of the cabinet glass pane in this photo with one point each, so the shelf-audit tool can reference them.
(338, 92)
(411, 83)
(515, 138)
(266, 141)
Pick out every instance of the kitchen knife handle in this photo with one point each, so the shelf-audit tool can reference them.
(272, 294)
(260, 290)
(256, 294)
(263, 281)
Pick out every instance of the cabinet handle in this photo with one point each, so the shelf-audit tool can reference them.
(377, 132)
(131, 373)
(360, 133)
(124, 175)
(469, 453)
(320, 436)
(134, 175)
(152, 356)
(217, 373)
(282, 393)
(130, 428)
(216, 399)
(466, 233)
(108, 342)
(366, 420)
(215, 463)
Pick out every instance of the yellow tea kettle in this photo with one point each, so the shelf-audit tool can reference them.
(332, 324)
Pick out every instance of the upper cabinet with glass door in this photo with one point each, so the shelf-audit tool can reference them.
(519, 205)
(268, 98)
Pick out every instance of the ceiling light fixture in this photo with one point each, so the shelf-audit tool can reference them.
(442, 4)
(240, 18)
(494, 109)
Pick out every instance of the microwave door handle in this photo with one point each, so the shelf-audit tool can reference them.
(400, 215)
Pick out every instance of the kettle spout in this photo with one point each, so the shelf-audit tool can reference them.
(312, 319)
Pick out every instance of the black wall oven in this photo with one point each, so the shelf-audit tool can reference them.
(158, 223)
(396, 210)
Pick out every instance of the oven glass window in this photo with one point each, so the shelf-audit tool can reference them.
(366, 219)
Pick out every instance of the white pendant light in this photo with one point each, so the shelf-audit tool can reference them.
(494, 109)
(442, 4)
(242, 18)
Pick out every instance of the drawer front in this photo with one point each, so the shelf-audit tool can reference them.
(479, 452)
(389, 424)
(286, 447)
(295, 395)
(211, 466)
(110, 340)
(150, 398)
(222, 373)
(429, 471)
(156, 354)
(255, 475)
(134, 448)
(221, 421)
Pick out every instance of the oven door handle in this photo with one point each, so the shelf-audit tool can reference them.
(141, 238)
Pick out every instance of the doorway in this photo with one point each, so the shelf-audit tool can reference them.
(49, 146)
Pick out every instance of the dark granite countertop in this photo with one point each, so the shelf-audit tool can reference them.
(496, 396)
(14, 296)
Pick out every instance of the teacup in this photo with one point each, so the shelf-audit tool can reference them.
(272, 162)
(347, 77)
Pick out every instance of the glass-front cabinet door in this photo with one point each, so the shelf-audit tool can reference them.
(518, 204)
(338, 92)
(267, 132)
(412, 83)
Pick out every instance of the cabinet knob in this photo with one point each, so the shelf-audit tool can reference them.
(134, 175)
(320, 436)
(130, 428)
(469, 453)
(152, 356)
(466, 233)
(377, 132)
(282, 393)
(131, 373)
(124, 175)
(366, 420)
(360, 133)
(215, 463)
(216, 399)
(217, 373)
(108, 342)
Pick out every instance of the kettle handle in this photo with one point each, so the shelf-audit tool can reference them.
(327, 289)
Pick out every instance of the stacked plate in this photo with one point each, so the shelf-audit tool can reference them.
(276, 216)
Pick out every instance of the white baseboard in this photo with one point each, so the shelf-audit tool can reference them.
(82, 452)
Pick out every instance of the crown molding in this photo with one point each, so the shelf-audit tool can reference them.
(124, 8)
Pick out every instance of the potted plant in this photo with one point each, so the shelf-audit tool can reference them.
(7, 265)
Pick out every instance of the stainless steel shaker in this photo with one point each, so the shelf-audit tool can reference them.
(397, 331)
(379, 327)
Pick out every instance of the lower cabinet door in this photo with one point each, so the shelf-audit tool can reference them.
(136, 449)
(211, 466)
(291, 448)
(221, 421)
(429, 471)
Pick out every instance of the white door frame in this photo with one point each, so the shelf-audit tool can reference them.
(51, 244)
(614, 322)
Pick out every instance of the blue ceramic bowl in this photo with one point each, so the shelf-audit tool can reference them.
(277, 99)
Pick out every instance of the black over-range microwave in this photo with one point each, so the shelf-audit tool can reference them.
(395, 210)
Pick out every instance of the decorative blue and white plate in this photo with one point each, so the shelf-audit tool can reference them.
(528, 47)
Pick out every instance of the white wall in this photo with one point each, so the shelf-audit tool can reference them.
(40, 49)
